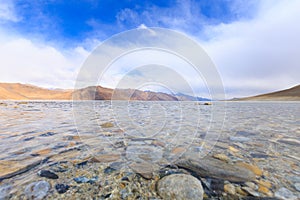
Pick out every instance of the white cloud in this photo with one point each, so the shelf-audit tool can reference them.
(7, 11)
(41, 64)
(261, 54)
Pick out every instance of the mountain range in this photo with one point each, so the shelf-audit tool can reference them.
(291, 94)
(18, 91)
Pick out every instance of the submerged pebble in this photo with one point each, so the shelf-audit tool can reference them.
(180, 186)
(5, 191)
(284, 193)
(37, 190)
(61, 188)
(47, 174)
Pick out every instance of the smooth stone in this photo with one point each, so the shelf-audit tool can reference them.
(221, 156)
(29, 138)
(259, 155)
(264, 183)
(10, 168)
(255, 169)
(284, 193)
(47, 174)
(105, 158)
(109, 170)
(83, 179)
(107, 125)
(251, 191)
(244, 133)
(297, 186)
(5, 191)
(232, 149)
(214, 168)
(120, 144)
(47, 134)
(158, 143)
(61, 188)
(146, 170)
(265, 190)
(239, 139)
(230, 189)
(37, 190)
(251, 185)
(178, 150)
(290, 141)
(180, 187)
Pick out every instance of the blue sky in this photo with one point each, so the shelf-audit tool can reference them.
(71, 22)
(252, 42)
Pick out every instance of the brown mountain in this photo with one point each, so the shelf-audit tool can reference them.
(291, 94)
(17, 91)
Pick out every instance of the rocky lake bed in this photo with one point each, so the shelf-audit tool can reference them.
(160, 150)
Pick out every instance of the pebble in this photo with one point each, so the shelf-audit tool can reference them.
(158, 143)
(146, 170)
(290, 141)
(83, 179)
(47, 174)
(105, 158)
(255, 169)
(47, 134)
(265, 190)
(251, 185)
(284, 193)
(297, 186)
(230, 189)
(120, 144)
(61, 188)
(12, 168)
(239, 139)
(109, 170)
(214, 168)
(264, 183)
(5, 191)
(107, 125)
(180, 186)
(37, 190)
(232, 149)
(221, 156)
(251, 191)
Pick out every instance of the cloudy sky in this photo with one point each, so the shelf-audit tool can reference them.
(255, 45)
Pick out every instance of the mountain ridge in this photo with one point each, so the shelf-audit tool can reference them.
(18, 91)
(290, 94)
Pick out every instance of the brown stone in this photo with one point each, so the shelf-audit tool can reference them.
(255, 169)
(158, 143)
(240, 191)
(145, 169)
(232, 149)
(265, 190)
(229, 189)
(264, 183)
(107, 125)
(10, 168)
(178, 150)
(43, 151)
(221, 156)
(104, 158)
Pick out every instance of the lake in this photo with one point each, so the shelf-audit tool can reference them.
(86, 138)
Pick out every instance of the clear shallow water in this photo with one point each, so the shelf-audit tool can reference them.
(267, 133)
